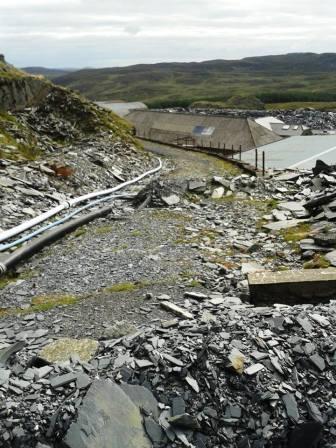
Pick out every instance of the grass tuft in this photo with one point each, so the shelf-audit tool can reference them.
(318, 262)
(42, 303)
(297, 233)
(122, 287)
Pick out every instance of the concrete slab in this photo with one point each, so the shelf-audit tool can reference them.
(292, 287)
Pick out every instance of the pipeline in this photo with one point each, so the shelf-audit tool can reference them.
(70, 203)
(4, 247)
(52, 235)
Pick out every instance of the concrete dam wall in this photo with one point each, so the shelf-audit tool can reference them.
(201, 131)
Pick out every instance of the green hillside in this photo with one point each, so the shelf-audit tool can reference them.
(50, 73)
(272, 79)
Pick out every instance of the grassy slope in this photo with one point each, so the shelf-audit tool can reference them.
(8, 72)
(294, 77)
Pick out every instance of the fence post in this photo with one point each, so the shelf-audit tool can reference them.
(240, 152)
(263, 163)
(256, 158)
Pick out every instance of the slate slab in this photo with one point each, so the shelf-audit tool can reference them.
(7, 352)
(107, 418)
(142, 397)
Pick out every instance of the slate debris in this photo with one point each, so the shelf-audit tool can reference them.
(185, 391)
(320, 122)
(159, 194)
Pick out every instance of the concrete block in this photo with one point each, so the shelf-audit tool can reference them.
(292, 287)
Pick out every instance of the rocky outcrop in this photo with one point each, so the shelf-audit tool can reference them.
(18, 89)
(18, 93)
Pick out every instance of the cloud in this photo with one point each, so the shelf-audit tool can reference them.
(112, 32)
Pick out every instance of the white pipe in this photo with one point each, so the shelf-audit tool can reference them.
(33, 222)
(54, 211)
(118, 187)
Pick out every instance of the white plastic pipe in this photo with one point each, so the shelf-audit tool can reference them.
(33, 222)
(54, 211)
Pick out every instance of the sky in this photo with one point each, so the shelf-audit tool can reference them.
(109, 33)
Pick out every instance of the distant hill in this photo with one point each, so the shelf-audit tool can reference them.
(50, 73)
(281, 78)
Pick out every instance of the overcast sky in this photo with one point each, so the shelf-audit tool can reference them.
(101, 33)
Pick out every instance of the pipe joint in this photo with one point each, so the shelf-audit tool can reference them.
(3, 268)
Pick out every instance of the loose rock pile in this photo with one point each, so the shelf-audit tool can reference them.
(313, 119)
(314, 203)
(28, 189)
(223, 373)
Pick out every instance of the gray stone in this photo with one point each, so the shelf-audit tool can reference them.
(322, 320)
(83, 381)
(172, 359)
(43, 372)
(143, 363)
(142, 397)
(196, 295)
(218, 193)
(107, 418)
(279, 216)
(291, 407)
(208, 317)
(63, 380)
(314, 412)
(255, 368)
(178, 406)
(292, 206)
(305, 324)
(7, 352)
(217, 301)
(185, 421)
(172, 199)
(153, 430)
(197, 185)
(331, 257)
(280, 225)
(192, 383)
(169, 306)
(318, 361)
(4, 376)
